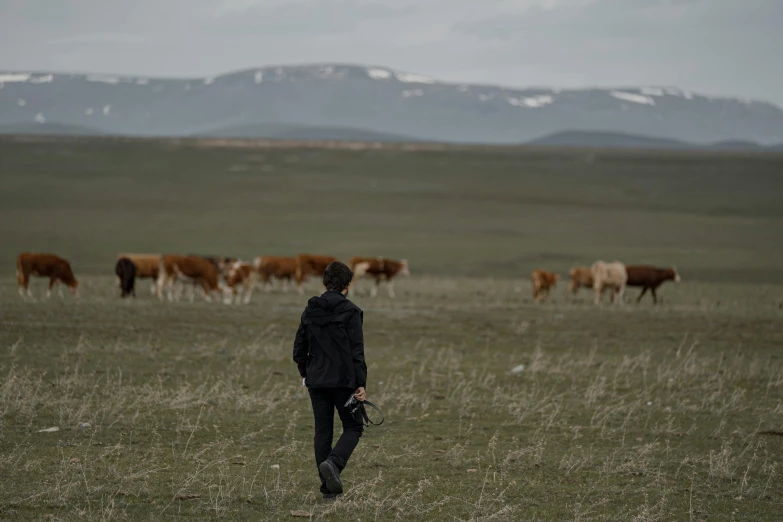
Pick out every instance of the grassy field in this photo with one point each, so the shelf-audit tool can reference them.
(194, 410)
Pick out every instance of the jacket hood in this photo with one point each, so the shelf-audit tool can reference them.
(326, 307)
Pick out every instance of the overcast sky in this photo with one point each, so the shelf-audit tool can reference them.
(719, 47)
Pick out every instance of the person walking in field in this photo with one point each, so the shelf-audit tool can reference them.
(329, 352)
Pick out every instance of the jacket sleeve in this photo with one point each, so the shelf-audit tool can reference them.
(356, 337)
(301, 349)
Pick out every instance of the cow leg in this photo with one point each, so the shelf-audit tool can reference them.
(204, 287)
(374, 289)
(153, 287)
(173, 289)
(52, 281)
(60, 290)
(228, 295)
(248, 291)
(655, 297)
(22, 282)
(644, 291)
(159, 283)
(170, 289)
(390, 287)
(621, 294)
(598, 291)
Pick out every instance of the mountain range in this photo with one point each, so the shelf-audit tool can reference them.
(349, 102)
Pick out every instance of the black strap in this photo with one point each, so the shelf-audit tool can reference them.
(366, 418)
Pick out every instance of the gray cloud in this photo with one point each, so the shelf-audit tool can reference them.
(713, 46)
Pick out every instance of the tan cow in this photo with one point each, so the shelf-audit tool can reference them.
(378, 268)
(44, 265)
(147, 267)
(543, 282)
(240, 280)
(308, 264)
(274, 267)
(579, 277)
(610, 276)
(188, 268)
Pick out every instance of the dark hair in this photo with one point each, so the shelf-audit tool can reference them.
(337, 276)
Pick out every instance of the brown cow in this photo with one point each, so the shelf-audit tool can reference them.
(240, 280)
(579, 277)
(147, 267)
(192, 268)
(281, 268)
(378, 268)
(221, 263)
(543, 282)
(650, 278)
(308, 264)
(44, 265)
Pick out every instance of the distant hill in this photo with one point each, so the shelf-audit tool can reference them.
(613, 140)
(284, 131)
(610, 140)
(739, 145)
(379, 100)
(49, 129)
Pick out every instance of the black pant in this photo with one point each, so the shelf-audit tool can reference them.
(325, 400)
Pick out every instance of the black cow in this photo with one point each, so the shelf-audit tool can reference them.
(126, 272)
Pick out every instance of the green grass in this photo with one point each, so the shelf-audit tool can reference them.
(195, 410)
(495, 212)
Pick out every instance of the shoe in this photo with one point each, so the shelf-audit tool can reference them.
(331, 475)
(331, 497)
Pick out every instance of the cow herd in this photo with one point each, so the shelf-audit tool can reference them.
(233, 280)
(602, 276)
(229, 279)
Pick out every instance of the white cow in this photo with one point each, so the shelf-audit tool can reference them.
(609, 275)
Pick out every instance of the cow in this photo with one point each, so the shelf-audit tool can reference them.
(193, 268)
(650, 278)
(239, 282)
(126, 272)
(543, 282)
(308, 264)
(44, 265)
(610, 276)
(147, 267)
(274, 267)
(579, 276)
(378, 268)
(221, 263)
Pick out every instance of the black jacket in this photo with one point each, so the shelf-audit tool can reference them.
(329, 344)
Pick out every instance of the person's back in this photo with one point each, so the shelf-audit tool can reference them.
(329, 353)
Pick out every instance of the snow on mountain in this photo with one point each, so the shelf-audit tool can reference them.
(377, 99)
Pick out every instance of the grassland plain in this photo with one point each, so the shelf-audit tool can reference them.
(194, 410)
